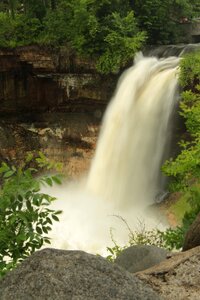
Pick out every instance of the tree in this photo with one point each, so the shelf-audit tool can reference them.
(104, 30)
(25, 216)
(161, 18)
(184, 170)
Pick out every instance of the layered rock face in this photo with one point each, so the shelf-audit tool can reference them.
(71, 140)
(41, 79)
(53, 101)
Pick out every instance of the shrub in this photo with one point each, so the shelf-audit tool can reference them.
(25, 216)
(184, 170)
(7, 30)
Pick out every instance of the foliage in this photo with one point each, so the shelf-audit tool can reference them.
(105, 30)
(108, 31)
(27, 30)
(168, 239)
(115, 250)
(18, 32)
(161, 19)
(120, 43)
(7, 28)
(25, 216)
(184, 170)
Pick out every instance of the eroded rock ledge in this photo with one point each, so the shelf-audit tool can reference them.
(38, 79)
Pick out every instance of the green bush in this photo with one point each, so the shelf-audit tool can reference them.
(184, 170)
(105, 31)
(25, 216)
(122, 40)
(7, 30)
(27, 30)
(161, 19)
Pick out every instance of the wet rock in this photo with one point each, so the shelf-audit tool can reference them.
(43, 79)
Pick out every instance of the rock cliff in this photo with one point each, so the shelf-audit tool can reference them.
(54, 96)
(38, 79)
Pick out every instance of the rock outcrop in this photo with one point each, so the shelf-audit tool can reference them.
(41, 79)
(59, 275)
(56, 98)
(192, 238)
(177, 277)
(140, 257)
(70, 141)
(15, 142)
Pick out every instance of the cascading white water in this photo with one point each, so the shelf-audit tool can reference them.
(125, 173)
(126, 167)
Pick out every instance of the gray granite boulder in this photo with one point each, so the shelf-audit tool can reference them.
(52, 274)
(140, 257)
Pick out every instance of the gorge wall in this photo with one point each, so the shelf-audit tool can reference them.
(53, 101)
(38, 79)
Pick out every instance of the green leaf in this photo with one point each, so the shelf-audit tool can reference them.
(39, 230)
(58, 212)
(49, 220)
(55, 217)
(48, 180)
(45, 230)
(47, 241)
(56, 179)
(29, 206)
(8, 173)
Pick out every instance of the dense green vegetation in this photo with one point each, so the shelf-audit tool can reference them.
(25, 216)
(184, 170)
(110, 31)
(160, 18)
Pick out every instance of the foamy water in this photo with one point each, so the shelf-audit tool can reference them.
(125, 176)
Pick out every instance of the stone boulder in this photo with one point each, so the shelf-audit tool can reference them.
(192, 238)
(177, 277)
(140, 257)
(58, 274)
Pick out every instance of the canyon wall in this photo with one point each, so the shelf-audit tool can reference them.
(38, 79)
(51, 101)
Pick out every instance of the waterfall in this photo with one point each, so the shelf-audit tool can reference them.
(134, 135)
(125, 175)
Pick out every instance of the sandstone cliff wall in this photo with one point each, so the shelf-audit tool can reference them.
(42, 79)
